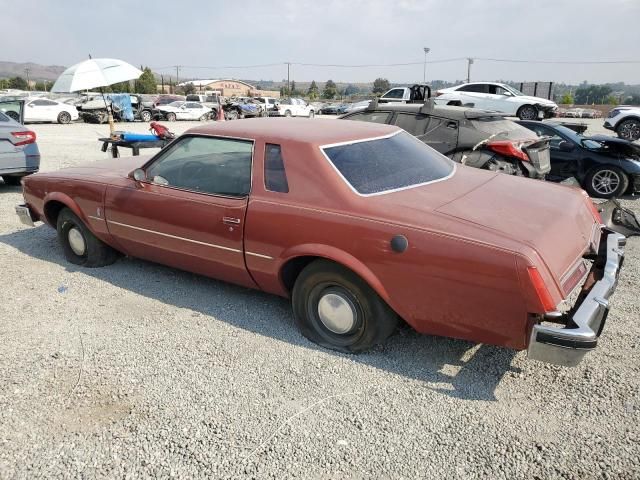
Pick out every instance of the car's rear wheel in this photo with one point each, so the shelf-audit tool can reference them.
(12, 180)
(606, 182)
(629, 129)
(81, 247)
(171, 117)
(64, 117)
(336, 309)
(527, 112)
(205, 117)
(145, 116)
(287, 113)
(311, 114)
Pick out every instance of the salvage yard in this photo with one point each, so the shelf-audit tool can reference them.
(137, 370)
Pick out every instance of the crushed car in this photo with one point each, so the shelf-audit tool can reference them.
(359, 224)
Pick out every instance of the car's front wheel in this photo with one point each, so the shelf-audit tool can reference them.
(171, 117)
(64, 118)
(629, 129)
(606, 182)
(527, 112)
(287, 113)
(336, 309)
(145, 116)
(81, 247)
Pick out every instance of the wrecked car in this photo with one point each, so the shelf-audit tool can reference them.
(474, 137)
(606, 167)
(360, 224)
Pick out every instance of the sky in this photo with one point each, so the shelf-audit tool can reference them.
(225, 33)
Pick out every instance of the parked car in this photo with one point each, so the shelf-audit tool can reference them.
(331, 109)
(625, 121)
(359, 224)
(474, 137)
(498, 97)
(183, 111)
(166, 99)
(45, 110)
(295, 107)
(606, 167)
(210, 100)
(19, 154)
(414, 94)
(270, 105)
(243, 107)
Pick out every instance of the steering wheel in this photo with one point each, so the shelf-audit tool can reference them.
(190, 170)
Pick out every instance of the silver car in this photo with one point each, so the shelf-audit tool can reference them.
(19, 154)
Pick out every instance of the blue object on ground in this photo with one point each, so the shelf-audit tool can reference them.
(139, 137)
(122, 101)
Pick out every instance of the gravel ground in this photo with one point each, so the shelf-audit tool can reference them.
(139, 370)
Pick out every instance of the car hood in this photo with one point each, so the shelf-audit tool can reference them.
(536, 100)
(499, 210)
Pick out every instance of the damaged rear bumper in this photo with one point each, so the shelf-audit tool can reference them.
(568, 345)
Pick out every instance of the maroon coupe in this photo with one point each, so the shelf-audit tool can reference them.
(360, 224)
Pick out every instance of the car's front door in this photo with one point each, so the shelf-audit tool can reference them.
(564, 153)
(189, 212)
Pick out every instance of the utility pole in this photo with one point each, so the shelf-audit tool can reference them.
(469, 63)
(424, 72)
(27, 70)
(289, 78)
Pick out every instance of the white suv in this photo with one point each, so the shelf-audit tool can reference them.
(625, 121)
(499, 98)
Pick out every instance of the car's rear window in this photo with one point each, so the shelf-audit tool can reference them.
(501, 127)
(385, 164)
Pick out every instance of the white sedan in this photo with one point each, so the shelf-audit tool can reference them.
(45, 110)
(295, 107)
(185, 111)
(499, 98)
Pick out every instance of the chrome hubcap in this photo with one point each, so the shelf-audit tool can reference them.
(76, 241)
(605, 182)
(337, 313)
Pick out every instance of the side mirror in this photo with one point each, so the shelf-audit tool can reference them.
(139, 175)
(565, 146)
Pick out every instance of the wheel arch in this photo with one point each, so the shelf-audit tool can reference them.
(298, 258)
(628, 117)
(55, 202)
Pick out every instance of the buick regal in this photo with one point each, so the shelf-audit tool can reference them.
(360, 224)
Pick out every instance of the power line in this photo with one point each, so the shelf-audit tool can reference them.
(560, 62)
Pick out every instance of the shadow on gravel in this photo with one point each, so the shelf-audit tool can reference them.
(455, 368)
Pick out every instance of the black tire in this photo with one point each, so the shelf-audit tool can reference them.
(95, 252)
(64, 118)
(596, 184)
(287, 113)
(629, 129)
(527, 112)
(372, 319)
(12, 180)
(145, 116)
(13, 115)
(171, 117)
(232, 115)
(205, 117)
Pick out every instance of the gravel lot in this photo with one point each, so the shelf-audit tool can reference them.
(139, 370)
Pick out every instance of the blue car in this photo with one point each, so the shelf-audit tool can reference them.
(19, 154)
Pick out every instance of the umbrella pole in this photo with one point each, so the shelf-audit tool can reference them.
(112, 128)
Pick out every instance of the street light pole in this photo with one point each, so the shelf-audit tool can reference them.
(424, 71)
(469, 63)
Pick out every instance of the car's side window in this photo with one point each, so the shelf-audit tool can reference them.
(395, 93)
(412, 123)
(219, 166)
(373, 117)
(476, 87)
(275, 176)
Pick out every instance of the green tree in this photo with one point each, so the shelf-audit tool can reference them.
(330, 90)
(351, 90)
(18, 83)
(284, 91)
(381, 85)
(122, 87)
(294, 91)
(147, 82)
(566, 99)
(189, 88)
(313, 91)
(611, 100)
(4, 83)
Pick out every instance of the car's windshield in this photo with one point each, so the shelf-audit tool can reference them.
(176, 104)
(387, 164)
(579, 139)
(515, 91)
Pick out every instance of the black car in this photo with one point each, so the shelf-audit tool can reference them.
(606, 167)
(477, 138)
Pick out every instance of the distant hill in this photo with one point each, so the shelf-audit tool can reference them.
(36, 72)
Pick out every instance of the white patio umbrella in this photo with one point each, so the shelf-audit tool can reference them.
(95, 73)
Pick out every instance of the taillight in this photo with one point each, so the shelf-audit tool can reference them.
(24, 138)
(541, 289)
(509, 149)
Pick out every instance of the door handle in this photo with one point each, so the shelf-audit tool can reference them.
(230, 221)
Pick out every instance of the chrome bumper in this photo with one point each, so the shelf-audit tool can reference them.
(568, 345)
(25, 215)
